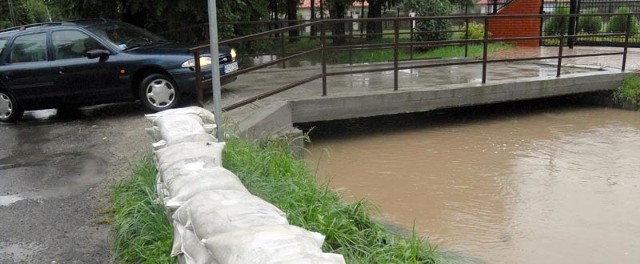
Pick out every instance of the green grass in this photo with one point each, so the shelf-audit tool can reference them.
(272, 172)
(629, 91)
(385, 55)
(142, 232)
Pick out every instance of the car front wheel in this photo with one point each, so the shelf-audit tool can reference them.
(10, 111)
(158, 92)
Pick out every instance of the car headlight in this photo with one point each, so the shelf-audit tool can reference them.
(233, 54)
(205, 62)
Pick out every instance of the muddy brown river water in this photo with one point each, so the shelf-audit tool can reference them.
(523, 183)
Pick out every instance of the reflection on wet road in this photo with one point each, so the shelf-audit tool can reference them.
(54, 172)
(559, 185)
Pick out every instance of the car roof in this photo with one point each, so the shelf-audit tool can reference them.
(81, 23)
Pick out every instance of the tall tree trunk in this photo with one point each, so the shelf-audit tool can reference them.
(336, 11)
(313, 17)
(374, 28)
(292, 14)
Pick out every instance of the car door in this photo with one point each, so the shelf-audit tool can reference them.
(26, 71)
(83, 80)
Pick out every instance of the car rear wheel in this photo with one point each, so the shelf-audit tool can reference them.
(10, 110)
(158, 92)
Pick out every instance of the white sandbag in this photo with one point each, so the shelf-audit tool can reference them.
(310, 258)
(205, 115)
(184, 187)
(211, 213)
(177, 128)
(189, 247)
(184, 167)
(200, 137)
(189, 150)
(263, 244)
(154, 132)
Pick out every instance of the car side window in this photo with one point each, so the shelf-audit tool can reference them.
(29, 48)
(3, 42)
(69, 44)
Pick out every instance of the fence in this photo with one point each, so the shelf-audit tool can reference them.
(596, 16)
(403, 44)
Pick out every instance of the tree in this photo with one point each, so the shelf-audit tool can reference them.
(430, 29)
(292, 14)
(25, 11)
(337, 10)
(374, 28)
(161, 15)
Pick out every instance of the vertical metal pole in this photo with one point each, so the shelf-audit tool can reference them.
(411, 37)
(573, 10)
(215, 69)
(485, 49)
(466, 30)
(282, 48)
(396, 40)
(561, 46)
(12, 14)
(626, 42)
(495, 6)
(466, 37)
(323, 56)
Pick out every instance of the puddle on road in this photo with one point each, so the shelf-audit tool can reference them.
(556, 186)
(18, 253)
(7, 200)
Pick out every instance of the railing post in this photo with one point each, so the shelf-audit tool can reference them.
(561, 46)
(485, 49)
(396, 40)
(626, 42)
(199, 93)
(323, 57)
(282, 48)
(466, 37)
(349, 41)
(411, 37)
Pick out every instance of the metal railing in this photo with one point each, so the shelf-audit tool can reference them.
(399, 43)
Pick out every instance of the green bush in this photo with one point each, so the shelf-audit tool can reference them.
(629, 91)
(431, 29)
(476, 31)
(618, 23)
(590, 24)
(552, 26)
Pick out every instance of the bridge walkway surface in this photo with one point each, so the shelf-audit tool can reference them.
(423, 89)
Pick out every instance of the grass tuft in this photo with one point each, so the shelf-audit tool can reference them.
(142, 232)
(271, 171)
(629, 91)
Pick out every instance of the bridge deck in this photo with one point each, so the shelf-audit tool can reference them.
(370, 94)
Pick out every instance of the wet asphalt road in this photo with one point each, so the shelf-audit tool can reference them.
(55, 173)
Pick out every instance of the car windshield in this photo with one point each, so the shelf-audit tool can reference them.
(125, 36)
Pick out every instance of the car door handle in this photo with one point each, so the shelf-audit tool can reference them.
(61, 70)
(7, 76)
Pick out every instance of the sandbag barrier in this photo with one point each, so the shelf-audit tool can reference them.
(215, 218)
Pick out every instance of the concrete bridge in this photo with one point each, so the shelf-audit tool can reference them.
(425, 89)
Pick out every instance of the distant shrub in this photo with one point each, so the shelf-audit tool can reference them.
(619, 22)
(552, 26)
(629, 91)
(590, 24)
(476, 31)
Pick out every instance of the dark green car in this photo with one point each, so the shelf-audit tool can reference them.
(89, 62)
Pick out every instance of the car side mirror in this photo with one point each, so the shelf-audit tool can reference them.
(98, 53)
